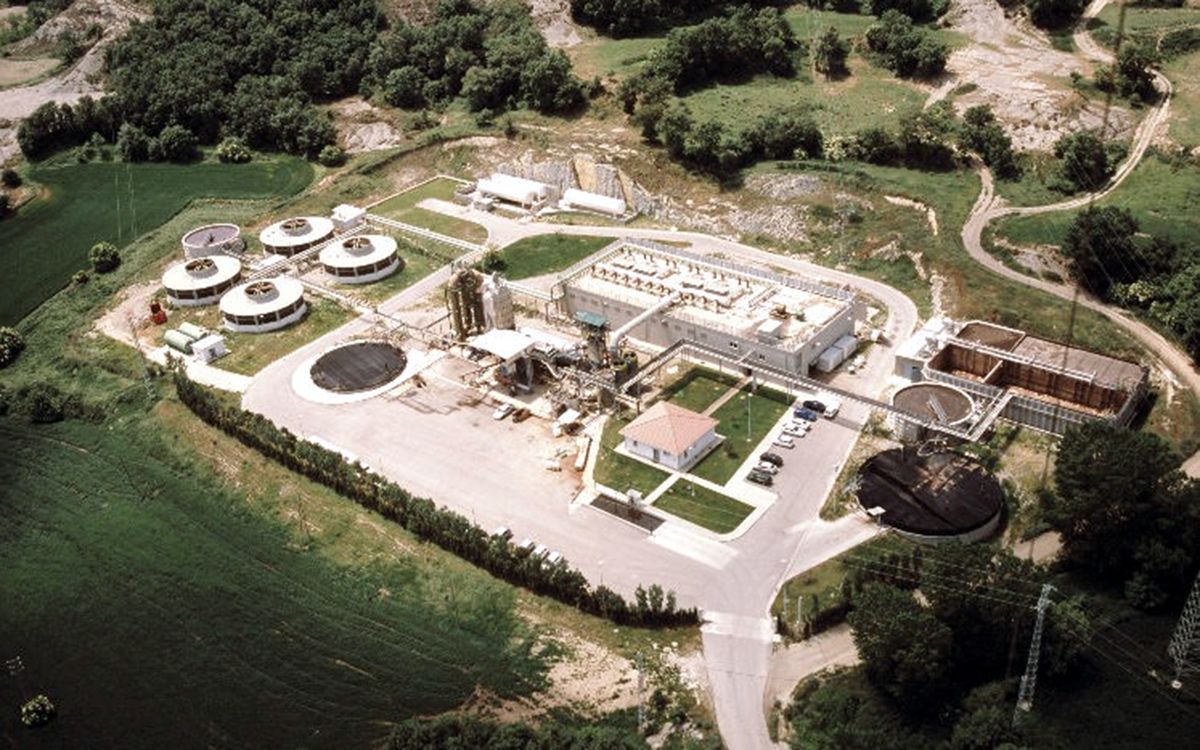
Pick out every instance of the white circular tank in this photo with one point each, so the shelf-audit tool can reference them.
(295, 235)
(263, 305)
(201, 281)
(937, 402)
(361, 259)
(212, 239)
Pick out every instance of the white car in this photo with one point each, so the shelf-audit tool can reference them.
(502, 411)
(798, 425)
(767, 467)
(525, 545)
(540, 550)
(502, 531)
(554, 558)
(794, 431)
(785, 441)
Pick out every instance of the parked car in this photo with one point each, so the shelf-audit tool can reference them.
(831, 406)
(784, 441)
(540, 550)
(795, 430)
(760, 477)
(766, 467)
(806, 414)
(813, 404)
(502, 411)
(773, 458)
(503, 532)
(554, 558)
(520, 415)
(526, 545)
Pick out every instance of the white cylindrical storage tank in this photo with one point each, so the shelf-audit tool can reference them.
(936, 402)
(361, 259)
(295, 235)
(594, 202)
(514, 189)
(201, 281)
(264, 305)
(211, 240)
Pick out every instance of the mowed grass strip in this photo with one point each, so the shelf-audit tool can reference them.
(48, 239)
(135, 579)
(549, 253)
(744, 420)
(698, 388)
(703, 507)
(403, 208)
(622, 473)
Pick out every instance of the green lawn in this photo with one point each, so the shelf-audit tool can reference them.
(48, 239)
(549, 253)
(250, 352)
(744, 420)
(821, 585)
(157, 611)
(1184, 125)
(703, 507)
(416, 267)
(622, 473)
(1039, 171)
(404, 208)
(698, 388)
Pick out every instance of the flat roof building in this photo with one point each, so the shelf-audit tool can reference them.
(661, 295)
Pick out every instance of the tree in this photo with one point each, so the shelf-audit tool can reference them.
(1133, 68)
(1099, 247)
(177, 143)
(1085, 160)
(983, 134)
(4, 203)
(829, 53)
(904, 648)
(331, 156)
(1054, 14)
(37, 711)
(11, 178)
(104, 257)
(12, 343)
(925, 136)
(404, 87)
(233, 150)
(132, 143)
(905, 49)
(549, 86)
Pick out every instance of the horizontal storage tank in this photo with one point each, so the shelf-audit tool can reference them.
(594, 202)
(201, 281)
(937, 402)
(295, 235)
(848, 344)
(178, 341)
(261, 306)
(829, 359)
(213, 239)
(514, 189)
(192, 331)
(361, 259)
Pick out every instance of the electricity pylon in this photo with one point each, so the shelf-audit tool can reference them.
(1184, 648)
(1029, 679)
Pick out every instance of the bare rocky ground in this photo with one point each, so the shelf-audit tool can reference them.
(1023, 78)
(82, 79)
(362, 126)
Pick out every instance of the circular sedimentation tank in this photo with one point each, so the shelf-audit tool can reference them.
(937, 402)
(361, 259)
(212, 239)
(201, 281)
(943, 496)
(361, 366)
(264, 305)
(295, 235)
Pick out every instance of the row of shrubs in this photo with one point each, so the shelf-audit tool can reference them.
(421, 516)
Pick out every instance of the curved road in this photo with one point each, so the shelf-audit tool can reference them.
(988, 208)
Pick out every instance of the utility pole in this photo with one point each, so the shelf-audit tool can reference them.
(1184, 648)
(641, 715)
(1029, 679)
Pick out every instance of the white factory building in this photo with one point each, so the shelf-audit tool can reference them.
(265, 305)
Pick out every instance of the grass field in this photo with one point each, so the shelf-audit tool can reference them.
(1184, 125)
(622, 473)
(416, 267)
(404, 208)
(158, 612)
(250, 352)
(549, 253)
(744, 420)
(703, 507)
(824, 581)
(48, 239)
(698, 388)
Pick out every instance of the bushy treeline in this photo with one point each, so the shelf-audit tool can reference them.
(421, 516)
(492, 55)
(457, 732)
(626, 17)
(904, 48)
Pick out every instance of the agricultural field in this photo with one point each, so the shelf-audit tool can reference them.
(548, 253)
(744, 420)
(81, 204)
(403, 207)
(703, 507)
(215, 618)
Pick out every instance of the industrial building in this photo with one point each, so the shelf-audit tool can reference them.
(662, 295)
(1035, 382)
(201, 281)
(261, 306)
(295, 235)
(212, 239)
(361, 259)
(671, 435)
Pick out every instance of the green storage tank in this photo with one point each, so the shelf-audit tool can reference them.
(178, 341)
(192, 331)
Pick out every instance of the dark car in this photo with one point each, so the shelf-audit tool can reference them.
(806, 414)
(520, 415)
(815, 405)
(761, 477)
(772, 458)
